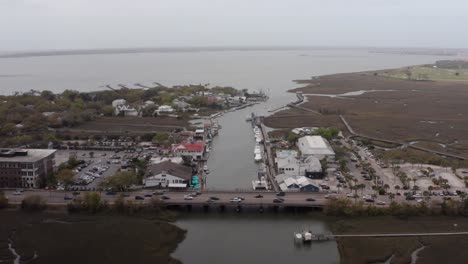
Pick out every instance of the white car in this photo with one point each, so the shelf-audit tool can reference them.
(351, 195)
(236, 200)
(188, 197)
(381, 203)
(17, 193)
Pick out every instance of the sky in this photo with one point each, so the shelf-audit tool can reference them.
(97, 24)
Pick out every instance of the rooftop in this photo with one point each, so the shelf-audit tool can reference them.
(24, 155)
(171, 168)
(314, 145)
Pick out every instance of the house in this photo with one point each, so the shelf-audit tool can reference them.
(181, 105)
(194, 150)
(315, 146)
(118, 102)
(293, 183)
(165, 109)
(125, 110)
(167, 174)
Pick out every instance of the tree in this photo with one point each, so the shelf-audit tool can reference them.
(92, 202)
(122, 180)
(391, 196)
(65, 176)
(386, 187)
(161, 138)
(3, 200)
(324, 163)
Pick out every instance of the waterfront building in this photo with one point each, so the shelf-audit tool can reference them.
(25, 168)
(193, 150)
(296, 183)
(300, 166)
(168, 174)
(315, 146)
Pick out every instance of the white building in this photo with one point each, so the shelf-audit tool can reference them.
(303, 166)
(165, 109)
(168, 175)
(315, 146)
(118, 102)
(293, 183)
(193, 150)
(125, 110)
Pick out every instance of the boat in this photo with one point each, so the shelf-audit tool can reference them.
(258, 157)
(304, 237)
(248, 118)
(257, 150)
(260, 184)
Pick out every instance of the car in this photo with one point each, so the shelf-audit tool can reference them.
(164, 197)
(235, 200)
(148, 195)
(210, 201)
(258, 196)
(325, 187)
(214, 198)
(281, 194)
(67, 197)
(76, 193)
(241, 197)
(351, 195)
(158, 192)
(17, 193)
(198, 192)
(138, 197)
(188, 197)
(125, 195)
(111, 193)
(419, 200)
(369, 200)
(276, 200)
(310, 200)
(381, 203)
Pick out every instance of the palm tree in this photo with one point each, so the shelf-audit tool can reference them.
(386, 187)
(391, 196)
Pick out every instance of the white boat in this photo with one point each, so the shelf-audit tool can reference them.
(258, 157)
(260, 184)
(248, 118)
(304, 237)
(257, 150)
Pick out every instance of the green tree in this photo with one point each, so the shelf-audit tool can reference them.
(122, 180)
(65, 176)
(3, 200)
(92, 202)
(161, 138)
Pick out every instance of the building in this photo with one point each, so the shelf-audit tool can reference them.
(300, 166)
(193, 150)
(181, 105)
(167, 174)
(165, 109)
(125, 110)
(25, 168)
(118, 102)
(296, 183)
(315, 146)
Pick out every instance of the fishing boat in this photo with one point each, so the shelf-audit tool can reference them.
(258, 157)
(303, 237)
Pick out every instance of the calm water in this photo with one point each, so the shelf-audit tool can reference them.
(231, 238)
(215, 238)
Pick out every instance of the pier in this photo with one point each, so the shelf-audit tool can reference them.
(326, 237)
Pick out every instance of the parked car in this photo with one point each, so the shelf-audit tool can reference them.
(258, 196)
(138, 197)
(214, 198)
(158, 192)
(148, 195)
(17, 193)
(281, 194)
(164, 197)
(188, 197)
(310, 200)
(67, 197)
(381, 203)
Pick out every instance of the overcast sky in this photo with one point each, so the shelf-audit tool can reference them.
(89, 24)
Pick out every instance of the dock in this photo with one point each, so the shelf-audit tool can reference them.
(326, 237)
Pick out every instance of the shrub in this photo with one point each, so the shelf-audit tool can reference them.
(3, 201)
(33, 203)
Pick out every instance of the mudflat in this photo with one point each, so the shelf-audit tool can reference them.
(384, 107)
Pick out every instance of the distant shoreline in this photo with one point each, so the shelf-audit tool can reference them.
(398, 50)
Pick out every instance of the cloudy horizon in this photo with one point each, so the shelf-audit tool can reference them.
(85, 24)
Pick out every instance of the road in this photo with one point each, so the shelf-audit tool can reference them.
(290, 199)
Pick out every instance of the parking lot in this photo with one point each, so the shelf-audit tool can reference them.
(96, 167)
